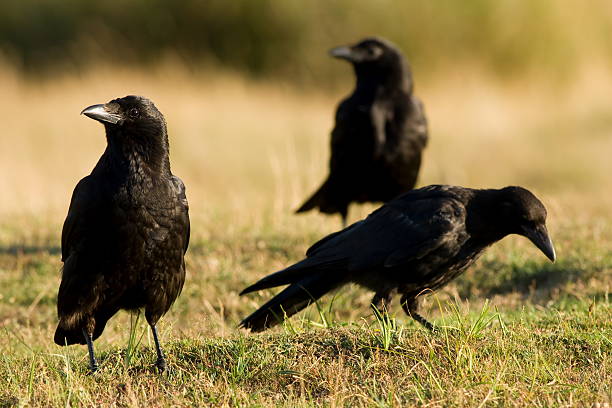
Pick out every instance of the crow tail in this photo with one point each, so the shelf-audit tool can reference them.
(325, 198)
(66, 336)
(291, 300)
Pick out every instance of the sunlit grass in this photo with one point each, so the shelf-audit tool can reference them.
(515, 329)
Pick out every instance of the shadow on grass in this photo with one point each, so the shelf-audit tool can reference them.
(494, 277)
(29, 249)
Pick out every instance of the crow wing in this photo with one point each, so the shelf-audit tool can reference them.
(87, 212)
(353, 137)
(403, 230)
(182, 210)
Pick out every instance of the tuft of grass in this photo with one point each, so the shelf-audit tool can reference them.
(133, 340)
(388, 331)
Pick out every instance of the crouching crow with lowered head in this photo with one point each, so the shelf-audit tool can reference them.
(415, 243)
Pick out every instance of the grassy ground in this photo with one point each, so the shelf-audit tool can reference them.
(515, 329)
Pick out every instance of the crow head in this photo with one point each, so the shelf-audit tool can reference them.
(523, 214)
(375, 59)
(132, 114)
(134, 125)
(367, 51)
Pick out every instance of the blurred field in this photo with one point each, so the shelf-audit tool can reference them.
(249, 152)
(260, 145)
(272, 39)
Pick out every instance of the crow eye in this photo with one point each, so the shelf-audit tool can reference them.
(133, 113)
(374, 51)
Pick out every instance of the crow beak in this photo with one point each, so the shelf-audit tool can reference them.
(343, 52)
(99, 113)
(539, 237)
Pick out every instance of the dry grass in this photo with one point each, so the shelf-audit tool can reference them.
(248, 153)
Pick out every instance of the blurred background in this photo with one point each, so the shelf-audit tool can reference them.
(516, 93)
(286, 39)
(522, 87)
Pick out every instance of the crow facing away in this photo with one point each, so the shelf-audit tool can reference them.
(417, 242)
(379, 134)
(127, 229)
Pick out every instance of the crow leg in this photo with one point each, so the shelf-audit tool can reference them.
(344, 216)
(161, 359)
(382, 301)
(410, 305)
(93, 364)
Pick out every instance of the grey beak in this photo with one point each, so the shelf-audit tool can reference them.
(343, 52)
(99, 113)
(539, 237)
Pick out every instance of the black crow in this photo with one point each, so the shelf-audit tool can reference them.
(127, 229)
(379, 134)
(417, 242)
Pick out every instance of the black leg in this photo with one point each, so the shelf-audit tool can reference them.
(344, 215)
(93, 364)
(411, 306)
(161, 360)
(381, 301)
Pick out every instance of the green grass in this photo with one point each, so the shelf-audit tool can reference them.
(545, 338)
(470, 361)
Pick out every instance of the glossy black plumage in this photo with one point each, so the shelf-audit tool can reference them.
(417, 242)
(379, 135)
(127, 229)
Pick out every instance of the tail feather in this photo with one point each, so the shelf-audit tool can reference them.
(311, 203)
(66, 336)
(325, 199)
(291, 300)
(292, 274)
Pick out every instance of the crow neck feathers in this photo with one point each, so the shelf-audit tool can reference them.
(383, 78)
(139, 153)
(486, 220)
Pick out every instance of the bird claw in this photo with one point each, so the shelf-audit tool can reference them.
(423, 322)
(161, 365)
(93, 368)
(430, 327)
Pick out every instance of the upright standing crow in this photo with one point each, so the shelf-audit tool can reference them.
(379, 135)
(419, 241)
(127, 229)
